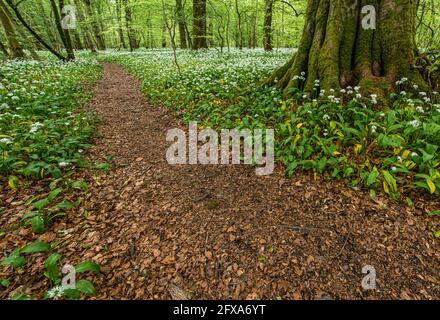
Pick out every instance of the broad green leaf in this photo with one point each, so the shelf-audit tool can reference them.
(65, 205)
(431, 185)
(372, 177)
(14, 260)
(37, 224)
(87, 266)
(390, 181)
(20, 296)
(435, 213)
(72, 294)
(51, 266)
(36, 247)
(4, 282)
(85, 286)
(54, 193)
(41, 204)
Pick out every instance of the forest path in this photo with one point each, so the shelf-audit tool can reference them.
(161, 231)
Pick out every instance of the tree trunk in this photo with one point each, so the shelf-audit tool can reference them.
(267, 27)
(131, 33)
(88, 41)
(340, 48)
(199, 25)
(119, 18)
(14, 45)
(181, 19)
(95, 25)
(64, 33)
(239, 30)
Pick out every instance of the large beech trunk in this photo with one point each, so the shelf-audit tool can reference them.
(337, 50)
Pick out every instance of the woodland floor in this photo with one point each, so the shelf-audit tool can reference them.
(219, 232)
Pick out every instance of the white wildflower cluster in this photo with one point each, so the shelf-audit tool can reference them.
(5, 141)
(35, 127)
(414, 123)
(401, 81)
(56, 292)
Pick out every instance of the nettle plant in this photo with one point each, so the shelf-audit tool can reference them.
(17, 260)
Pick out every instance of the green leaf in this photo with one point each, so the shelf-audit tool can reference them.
(430, 185)
(372, 194)
(36, 247)
(81, 185)
(87, 266)
(65, 205)
(41, 204)
(85, 286)
(13, 183)
(437, 234)
(51, 265)
(54, 193)
(20, 296)
(72, 294)
(4, 282)
(14, 260)
(372, 177)
(390, 181)
(409, 202)
(434, 213)
(37, 224)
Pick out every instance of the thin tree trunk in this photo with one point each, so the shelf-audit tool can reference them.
(95, 25)
(240, 32)
(14, 45)
(64, 33)
(181, 19)
(267, 27)
(119, 18)
(32, 32)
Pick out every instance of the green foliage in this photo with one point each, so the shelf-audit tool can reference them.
(337, 134)
(41, 132)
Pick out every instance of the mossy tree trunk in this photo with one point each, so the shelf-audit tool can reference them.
(339, 51)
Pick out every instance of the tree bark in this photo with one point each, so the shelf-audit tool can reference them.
(64, 34)
(199, 25)
(337, 50)
(239, 29)
(181, 21)
(119, 18)
(95, 25)
(131, 33)
(17, 51)
(32, 32)
(267, 26)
